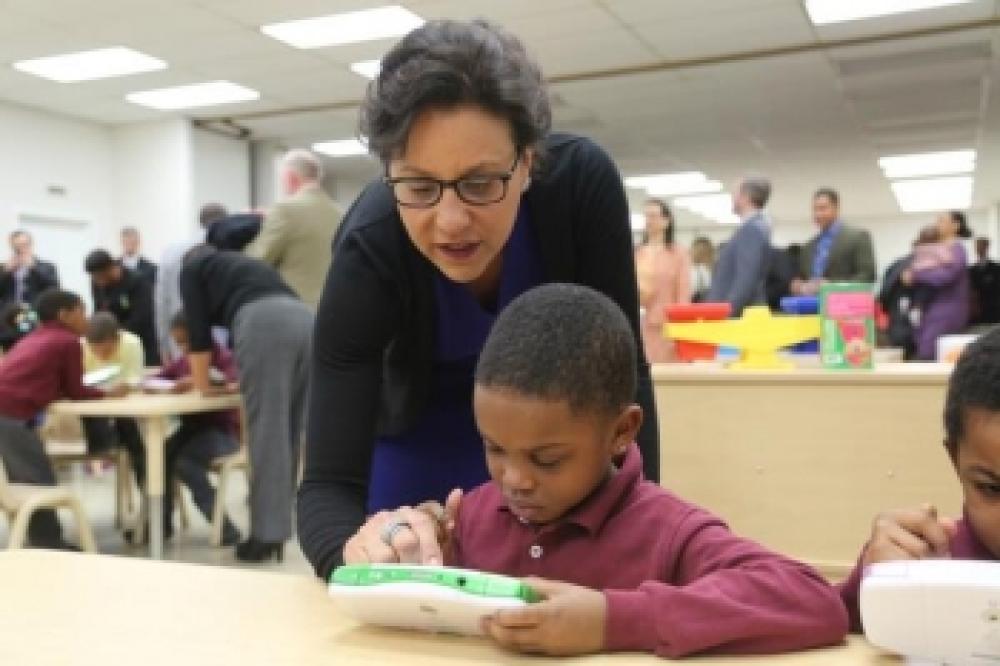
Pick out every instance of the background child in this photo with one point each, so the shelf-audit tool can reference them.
(106, 345)
(972, 439)
(644, 570)
(44, 367)
(201, 438)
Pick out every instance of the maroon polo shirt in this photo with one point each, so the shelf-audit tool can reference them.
(676, 580)
(965, 545)
(44, 367)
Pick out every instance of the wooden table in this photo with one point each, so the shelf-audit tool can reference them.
(95, 610)
(802, 461)
(152, 411)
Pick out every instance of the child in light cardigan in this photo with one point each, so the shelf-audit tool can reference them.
(621, 563)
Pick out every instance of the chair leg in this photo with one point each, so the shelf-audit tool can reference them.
(87, 542)
(182, 509)
(19, 529)
(219, 510)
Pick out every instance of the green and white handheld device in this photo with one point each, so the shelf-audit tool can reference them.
(438, 599)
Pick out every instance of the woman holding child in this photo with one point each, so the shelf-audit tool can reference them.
(939, 274)
(479, 204)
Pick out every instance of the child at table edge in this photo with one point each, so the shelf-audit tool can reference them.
(644, 570)
(972, 439)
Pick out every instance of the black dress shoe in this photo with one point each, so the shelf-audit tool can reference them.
(253, 550)
(230, 535)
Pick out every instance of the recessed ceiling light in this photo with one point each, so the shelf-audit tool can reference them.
(717, 207)
(822, 12)
(194, 95)
(341, 148)
(923, 195)
(89, 65)
(929, 164)
(367, 68)
(346, 28)
(673, 184)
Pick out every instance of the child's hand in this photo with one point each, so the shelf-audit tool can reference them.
(119, 391)
(183, 385)
(909, 534)
(570, 620)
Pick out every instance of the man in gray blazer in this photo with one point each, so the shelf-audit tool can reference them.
(297, 234)
(743, 262)
(839, 253)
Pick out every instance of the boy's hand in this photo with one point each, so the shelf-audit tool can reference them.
(569, 621)
(183, 385)
(909, 534)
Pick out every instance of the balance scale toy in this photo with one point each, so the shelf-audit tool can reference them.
(758, 334)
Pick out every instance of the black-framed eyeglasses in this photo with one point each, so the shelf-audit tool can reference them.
(475, 190)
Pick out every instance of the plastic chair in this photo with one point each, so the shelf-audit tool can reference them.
(66, 443)
(20, 500)
(224, 467)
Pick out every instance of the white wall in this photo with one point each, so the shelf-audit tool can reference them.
(220, 168)
(56, 167)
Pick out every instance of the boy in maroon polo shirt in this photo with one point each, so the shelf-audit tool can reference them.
(643, 569)
(45, 366)
(972, 439)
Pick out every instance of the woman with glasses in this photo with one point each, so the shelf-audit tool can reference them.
(479, 203)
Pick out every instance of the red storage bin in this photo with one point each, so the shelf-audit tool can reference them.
(694, 312)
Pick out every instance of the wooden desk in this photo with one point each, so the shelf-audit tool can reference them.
(802, 461)
(152, 412)
(95, 610)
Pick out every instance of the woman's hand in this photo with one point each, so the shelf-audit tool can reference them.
(910, 534)
(907, 277)
(408, 535)
(569, 620)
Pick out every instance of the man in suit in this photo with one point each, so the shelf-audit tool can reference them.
(297, 233)
(132, 259)
(24, 276)
(985, 277)
(126, 295)
(743, 262)
(839, 253)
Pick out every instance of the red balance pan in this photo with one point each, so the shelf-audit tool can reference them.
(694, 312)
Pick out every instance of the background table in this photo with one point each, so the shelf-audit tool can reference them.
(802, 461)
(152, 412)
(95, 610)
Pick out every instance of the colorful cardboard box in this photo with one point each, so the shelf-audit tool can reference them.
(847, 337)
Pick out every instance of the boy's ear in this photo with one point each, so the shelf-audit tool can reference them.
(627, 428)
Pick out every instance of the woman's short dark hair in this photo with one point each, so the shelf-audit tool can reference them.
(447, 63)
(958, 217)
(668, 233)
(103, 327)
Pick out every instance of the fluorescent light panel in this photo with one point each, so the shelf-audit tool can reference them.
(673, 184)
(194, 95)
(367, 68)
(929, 164)
(717, 207)
(637, 221)
(932, 194)
(341, 148)
(823, 12)
(346, 28)
(89, 65)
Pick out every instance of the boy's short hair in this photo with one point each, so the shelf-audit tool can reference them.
(179, 320)
(97, 261)
(563, 342)
(102, 327)
(974, 384)
(53, 301)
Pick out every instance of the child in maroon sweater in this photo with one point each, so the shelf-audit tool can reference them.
(972, 439)
(642, 568)
(44, 367)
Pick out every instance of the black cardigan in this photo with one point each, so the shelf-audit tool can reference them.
(374, 338)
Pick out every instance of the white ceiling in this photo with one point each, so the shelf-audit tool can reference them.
(815, 117)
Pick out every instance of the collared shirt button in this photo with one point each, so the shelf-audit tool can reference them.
(535, 551)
